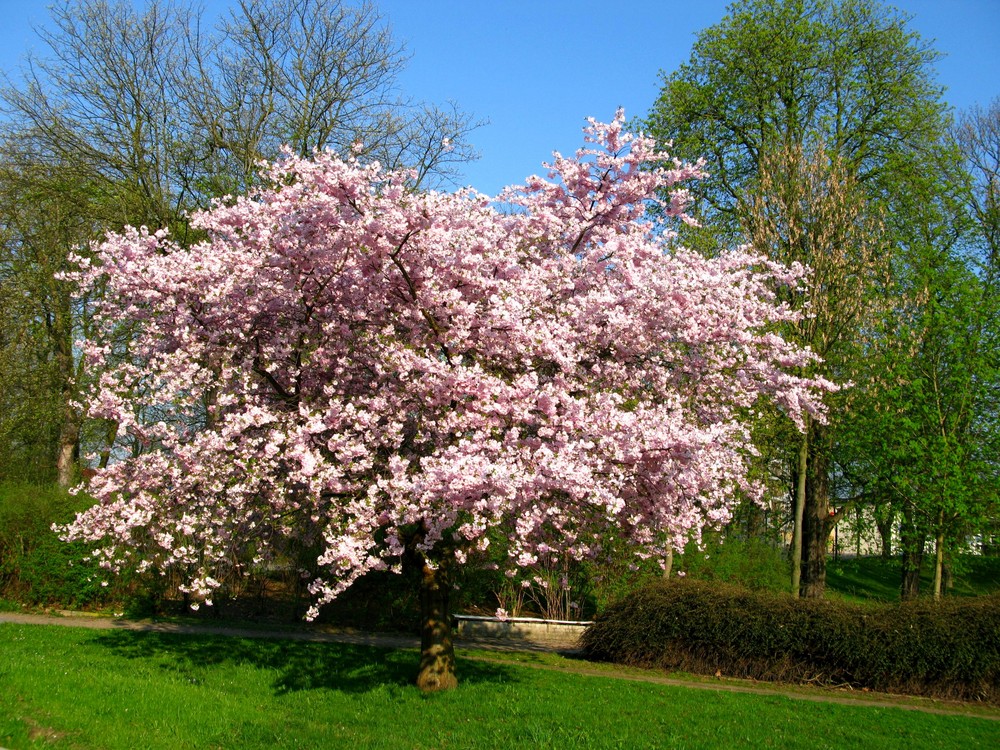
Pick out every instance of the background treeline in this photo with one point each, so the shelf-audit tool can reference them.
(139, 117)
(828, 143)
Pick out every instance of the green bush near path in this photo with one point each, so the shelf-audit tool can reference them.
(36, 568)
(89, 690)
(949, 648)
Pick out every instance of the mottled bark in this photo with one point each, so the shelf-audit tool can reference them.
(437, 651)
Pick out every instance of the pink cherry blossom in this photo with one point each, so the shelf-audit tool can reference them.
(343, 360)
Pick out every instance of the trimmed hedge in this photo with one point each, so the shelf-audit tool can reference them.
(947, 649)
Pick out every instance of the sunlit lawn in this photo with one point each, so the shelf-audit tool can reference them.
(870, 578)
(73, 688)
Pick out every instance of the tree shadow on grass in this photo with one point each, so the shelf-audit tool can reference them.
(298, 665)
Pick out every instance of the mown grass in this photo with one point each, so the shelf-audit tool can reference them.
(75, 688)
(873, 578)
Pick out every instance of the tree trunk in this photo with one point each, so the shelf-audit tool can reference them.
(69, 446)
(912, 542)
(800, 504)
(61, 330)
(437, 652)
(816, 522)
(884, 519)
(938, 563)
(858, 520)
(948, 576)
(111, 435)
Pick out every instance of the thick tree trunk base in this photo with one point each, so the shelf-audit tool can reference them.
(437, 669)
(437, 651)
(817, 523)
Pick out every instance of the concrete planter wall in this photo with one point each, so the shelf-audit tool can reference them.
(524, 629)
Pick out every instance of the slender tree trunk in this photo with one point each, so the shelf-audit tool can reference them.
(884, 519)
(61, 330)
(800, 504)
(437, 651)
(938, 563)
(912, 542)
(69, 444)
(857, 531)
(668, 564)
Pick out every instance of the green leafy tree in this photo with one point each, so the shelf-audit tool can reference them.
(930, 436)
(808, 208)
(931, 439)
(46, 210)
(783, 76)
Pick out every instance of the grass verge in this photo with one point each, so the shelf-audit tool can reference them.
(75, 688)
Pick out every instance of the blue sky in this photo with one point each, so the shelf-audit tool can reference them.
(535, 69)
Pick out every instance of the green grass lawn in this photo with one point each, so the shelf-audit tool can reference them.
(75, 688)
(867, 578)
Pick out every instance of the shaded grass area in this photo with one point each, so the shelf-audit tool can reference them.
(70, 688)
(873, 578)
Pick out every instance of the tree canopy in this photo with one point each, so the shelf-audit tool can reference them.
(824, 134)
(372, 371)
(783, 73)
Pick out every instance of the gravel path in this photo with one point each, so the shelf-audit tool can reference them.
(314, 633)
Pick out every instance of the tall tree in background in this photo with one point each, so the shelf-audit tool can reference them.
(312, 75)
(929, 435)
(47, 209)
(977, 134)
(160, 114)
(808, 208)
(779, 77)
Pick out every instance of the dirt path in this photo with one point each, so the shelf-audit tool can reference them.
(390, 640)
(319, 633)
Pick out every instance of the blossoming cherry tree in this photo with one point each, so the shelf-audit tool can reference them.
(379, 374)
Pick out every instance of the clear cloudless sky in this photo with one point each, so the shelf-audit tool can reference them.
(535, 69)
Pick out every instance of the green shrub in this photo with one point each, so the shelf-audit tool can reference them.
(752, 563)
(35, 566)
(53, 573)
(948, 649)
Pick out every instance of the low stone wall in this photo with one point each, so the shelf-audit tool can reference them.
(521, 629)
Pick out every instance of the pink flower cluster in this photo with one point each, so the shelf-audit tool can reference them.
(344, 360)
